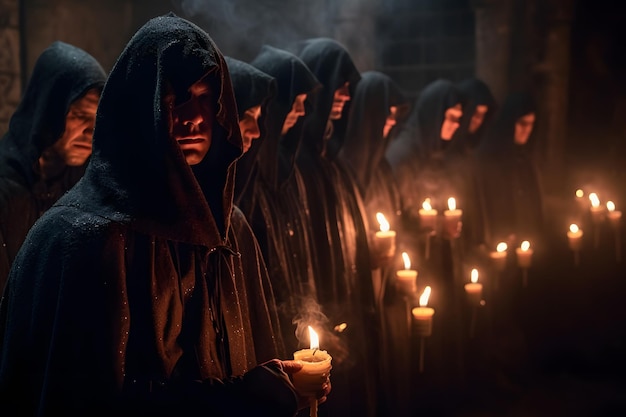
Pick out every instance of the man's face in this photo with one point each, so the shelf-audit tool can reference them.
(391, 121)
(297, 110)
(451, 121)
(192, 121)
(478, 118)
(342, 95)
(523, 128)
(249, 126)
(74, 146)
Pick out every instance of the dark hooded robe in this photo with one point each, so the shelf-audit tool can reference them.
(139, 292)
(277, 203)
(364, 153)
(344, 284)
(508, 179)
(62, 74)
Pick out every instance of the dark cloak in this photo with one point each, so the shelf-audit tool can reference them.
(344, 284)
(62, 74)
(508, 179)
(130, 295)
(364, 153)
(277, 205)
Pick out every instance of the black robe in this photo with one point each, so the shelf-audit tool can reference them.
(140, 292)
(62, 74)
(277, 203)
(344, 285)
(364, 153)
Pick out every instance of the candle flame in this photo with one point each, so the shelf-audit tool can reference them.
(610, 206)
(341, 327)
(573, 228)
(384, 224)
(525, 245)
(595, 201)
(315, 341)
(424, 297)
(426, 204)
(501, 247)
(474, 276)
(580, 193)
(451, 203)
(407, 260)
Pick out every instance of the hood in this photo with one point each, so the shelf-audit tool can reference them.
(62, 74)
(293, 78)
(475, 92)
(331, 64)
(137, 173)
(364, 146)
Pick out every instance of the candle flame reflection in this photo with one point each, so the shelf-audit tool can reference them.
(525, 245)
(315, 341)
(501, 247)
(610, 206)
(424, 297)
(474, 276)
(384, 224)
(426, 204)
(451, 203)
(573, 228)
(407, 260)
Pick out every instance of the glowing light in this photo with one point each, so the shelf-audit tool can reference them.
(595, 201)
(451, 203)
(573, 228)
(341, 327)
(474, 276)
(384, 224)
(407, 260)
(610, 206)
(424, 297)
(426, 204)
(525, 245)
(580, 193)
(315, 341)
(502, 247)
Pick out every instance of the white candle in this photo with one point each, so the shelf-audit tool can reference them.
(614, 215)
(406, 278)
(575, 234)
(524, 255)
(428, 216)
(499, 256)
(452, 216)
(474, 289)
(596, 209)
(316, 365)
(385, 239)
(423, 315)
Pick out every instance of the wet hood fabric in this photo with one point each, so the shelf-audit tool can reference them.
(62, 74)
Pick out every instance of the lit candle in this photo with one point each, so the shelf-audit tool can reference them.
(428, 216)
(385, 238)
(406, 277)
(614, 215)
(499, 256)
(474, 289)
(524, 255)
(596, 208)
(423, 315)
(452, 218)
(315, 370)
(575, 234)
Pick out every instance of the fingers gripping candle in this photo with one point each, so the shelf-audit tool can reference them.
(316, 366)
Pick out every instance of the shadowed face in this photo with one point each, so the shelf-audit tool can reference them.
(391, 120)
(249, 126)
(192, 121)
(297, 110)
(451, 121)
(478, 118)
(523, 128)
(74, 146)
(342, 96)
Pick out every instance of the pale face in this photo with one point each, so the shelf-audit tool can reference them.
(451, 121)
(192, 121)
(523, 128)
(478, 118)
(249, 126)
(74, 146)
(297, 111)
(342, 96)
(391, 120)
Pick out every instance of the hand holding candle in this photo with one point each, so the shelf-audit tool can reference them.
(405, 278)
(452, 218)
(316, 366)
(385, 239)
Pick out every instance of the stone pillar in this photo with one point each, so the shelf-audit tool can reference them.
(10, 68)
(493, 44)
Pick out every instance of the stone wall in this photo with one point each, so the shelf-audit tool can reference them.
(10, 68)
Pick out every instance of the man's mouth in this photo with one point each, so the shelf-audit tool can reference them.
(189, 141)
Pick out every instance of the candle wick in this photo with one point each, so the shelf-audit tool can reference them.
(314, 352)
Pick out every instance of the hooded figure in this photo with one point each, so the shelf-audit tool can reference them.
(377, 105)
(344, 283)
(276, 204)
(140, 292)
(508, 181)
(43, 153)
